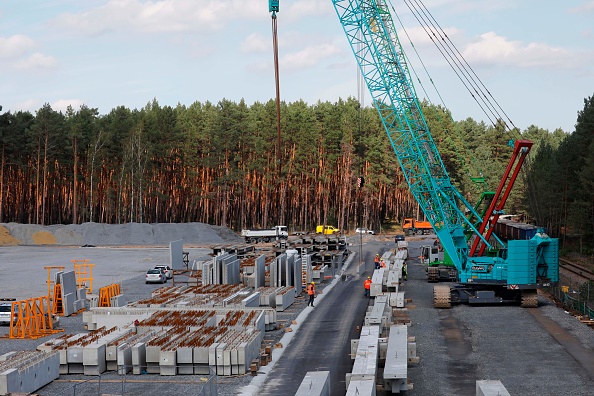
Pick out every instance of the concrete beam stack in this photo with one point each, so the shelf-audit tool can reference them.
(393, 280)
(27, 371)
(365, 351)
(380, 314)
(124, 352)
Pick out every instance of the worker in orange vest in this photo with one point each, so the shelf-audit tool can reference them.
(382, 264)
(367, 286)
(377, 261)
(311, 290)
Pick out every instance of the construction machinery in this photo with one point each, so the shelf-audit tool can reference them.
(488, 271)
(412, 227)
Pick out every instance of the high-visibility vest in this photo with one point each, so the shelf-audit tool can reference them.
(367, 284)
(310, 290)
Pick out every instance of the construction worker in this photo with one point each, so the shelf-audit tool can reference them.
(377, 261)
(382, 263)
(367, 286)
(404, 271)
(311, 290)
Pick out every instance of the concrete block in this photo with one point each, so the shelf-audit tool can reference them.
(124, 358)
(94, 359)
(168, 362)
(490, 388)
(138, 358)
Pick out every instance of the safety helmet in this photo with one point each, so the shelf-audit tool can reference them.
(377, 254)
(369, 277)
(313, 283)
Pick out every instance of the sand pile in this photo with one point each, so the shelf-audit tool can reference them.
(196, 234)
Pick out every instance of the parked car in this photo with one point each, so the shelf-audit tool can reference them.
(364, 231)
(399, 237)
(5, 313)
(155, 275)
(168, 271)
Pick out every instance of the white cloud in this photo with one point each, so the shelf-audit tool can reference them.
(308, 57)
(256, 43)
(587, 6)
(161, 16)
(494, 49)
(62, 104)
(37, 61)
(15, 46)
(27, 105)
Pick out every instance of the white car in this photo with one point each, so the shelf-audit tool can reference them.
(166, 269)
(155, 275)
(5, 314)
(364, 231)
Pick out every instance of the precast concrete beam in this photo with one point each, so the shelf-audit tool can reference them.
(396, 366)
(315, 383)
(361, 387)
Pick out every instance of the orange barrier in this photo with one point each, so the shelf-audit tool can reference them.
(107, 292)
(34, 319)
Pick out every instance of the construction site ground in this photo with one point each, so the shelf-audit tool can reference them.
(539, 351)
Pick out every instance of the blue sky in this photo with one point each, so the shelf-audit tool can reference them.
(535, 56)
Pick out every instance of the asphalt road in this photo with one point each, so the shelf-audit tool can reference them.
(324, 340)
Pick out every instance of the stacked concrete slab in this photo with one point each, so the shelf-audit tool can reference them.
(26, 371)
(380, 313)
(73, 299)
(365, 351)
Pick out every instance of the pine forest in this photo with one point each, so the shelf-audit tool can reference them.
(220, 164)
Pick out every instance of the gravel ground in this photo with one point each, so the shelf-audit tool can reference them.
(468, 343)
(111, 383)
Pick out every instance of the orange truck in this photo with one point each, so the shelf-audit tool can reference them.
(412, 226)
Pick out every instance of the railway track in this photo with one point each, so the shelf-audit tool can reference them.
(576, 269)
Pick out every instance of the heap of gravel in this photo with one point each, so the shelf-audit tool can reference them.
(99, 234)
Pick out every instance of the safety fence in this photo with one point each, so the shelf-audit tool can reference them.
(110, 383)
(575, 296)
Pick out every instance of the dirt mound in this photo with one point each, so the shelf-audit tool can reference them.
(198, 234)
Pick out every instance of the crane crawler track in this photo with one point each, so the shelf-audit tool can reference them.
(442, 297)
(529, 299)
